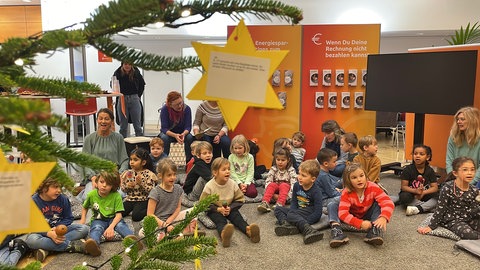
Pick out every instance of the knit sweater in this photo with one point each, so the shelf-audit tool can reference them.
(228, 193)
(371, 165)
(351, 210)
(111, 147)
(207, 116)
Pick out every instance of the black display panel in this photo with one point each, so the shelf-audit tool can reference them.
(426, 82)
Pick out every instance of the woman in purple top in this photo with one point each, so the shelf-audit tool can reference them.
(176, 123)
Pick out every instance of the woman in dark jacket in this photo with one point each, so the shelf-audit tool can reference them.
(130, 107)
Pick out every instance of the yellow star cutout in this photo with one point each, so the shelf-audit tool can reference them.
(19, 213)
(237, 65)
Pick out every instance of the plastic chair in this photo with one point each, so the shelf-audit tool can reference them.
(399, 131)
(80, 111)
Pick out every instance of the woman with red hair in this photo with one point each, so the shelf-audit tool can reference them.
(176, 123)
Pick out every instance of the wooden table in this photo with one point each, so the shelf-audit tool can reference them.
(108, 96)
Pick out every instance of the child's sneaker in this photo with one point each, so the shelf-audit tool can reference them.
(40, 255)
(253, 231)
(338, 237)
(374, 236)
(20, 245)
(412, 210)
(226, 235)
(285, 228)
(264, 207)
(76, 246)
(92, 248)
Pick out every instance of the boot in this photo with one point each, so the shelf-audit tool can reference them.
(374, 236)
(285, 228)
(338, 238)
(92, 248)
(253, 231)
(226, 235)
(310, 235)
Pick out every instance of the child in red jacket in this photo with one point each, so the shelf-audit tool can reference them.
(364, 205)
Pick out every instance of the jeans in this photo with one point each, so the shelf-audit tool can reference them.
(223, 147)
(338, 171)
(167, 140)
(38, 241)
(299, 216)
(373, 213)
(98, 227)
(332, 208)
(8, 257)
(133, 111)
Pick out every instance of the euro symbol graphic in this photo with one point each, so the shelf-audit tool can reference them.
(316, 39)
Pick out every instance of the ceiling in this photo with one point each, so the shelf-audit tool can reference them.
(19, 3)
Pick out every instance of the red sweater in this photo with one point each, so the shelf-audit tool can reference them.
(351, 210)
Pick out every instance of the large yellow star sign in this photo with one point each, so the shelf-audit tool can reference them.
(19, 213)
(236, 76)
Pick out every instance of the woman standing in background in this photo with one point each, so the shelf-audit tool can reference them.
(132, 86)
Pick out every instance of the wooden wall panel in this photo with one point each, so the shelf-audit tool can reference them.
(12, 14)
(19, 21)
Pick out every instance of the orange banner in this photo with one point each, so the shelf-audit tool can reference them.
(298, 82)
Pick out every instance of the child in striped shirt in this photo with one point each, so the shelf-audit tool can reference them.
(364, 205)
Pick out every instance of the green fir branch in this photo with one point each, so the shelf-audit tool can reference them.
(145, 60)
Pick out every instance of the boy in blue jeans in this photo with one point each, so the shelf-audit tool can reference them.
(305, 208)
(56, 209)
(330, 187)
(107, 206)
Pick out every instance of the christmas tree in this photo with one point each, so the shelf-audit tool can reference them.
(17, 54)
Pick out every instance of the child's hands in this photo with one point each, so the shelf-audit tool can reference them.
(109, 233)
(138, 179)
(243, 187)
(55, 238)
(381, 223)
(130, 184)
(224, 210)
(94, 183)
(366, 224)
(424, 230)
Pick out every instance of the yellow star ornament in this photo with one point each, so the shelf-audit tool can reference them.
(237, 75)
(19, 213)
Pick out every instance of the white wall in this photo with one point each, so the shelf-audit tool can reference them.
(405, 24)
(394, 15)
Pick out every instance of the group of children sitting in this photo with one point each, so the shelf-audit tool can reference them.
(341, 182)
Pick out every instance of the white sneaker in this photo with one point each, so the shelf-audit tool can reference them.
(412, 210)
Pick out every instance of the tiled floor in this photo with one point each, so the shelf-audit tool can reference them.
(387, 150)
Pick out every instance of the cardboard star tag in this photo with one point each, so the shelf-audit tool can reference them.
(236, 76)
(19, 213)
